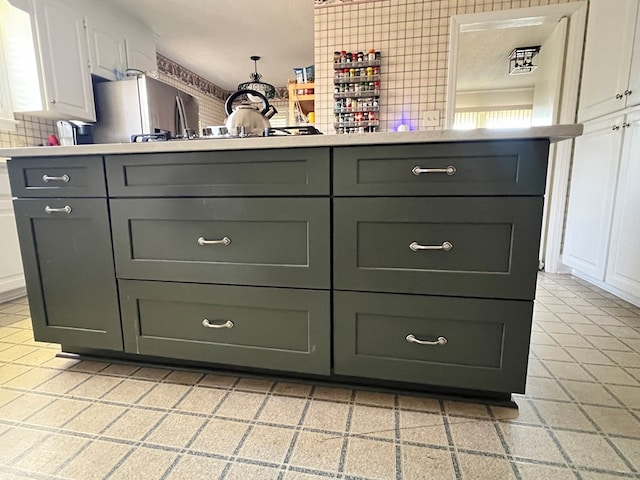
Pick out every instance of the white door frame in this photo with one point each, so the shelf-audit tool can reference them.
(561, 152)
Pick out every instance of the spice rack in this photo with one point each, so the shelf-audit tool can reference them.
(356, 92)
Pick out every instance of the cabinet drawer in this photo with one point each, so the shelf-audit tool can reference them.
(57, 177)
(481, 168)
(297, 171)
(495, 243)
(271, 241)
(487, 341)
(268, 328)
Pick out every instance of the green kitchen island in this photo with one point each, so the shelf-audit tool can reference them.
(402, 260)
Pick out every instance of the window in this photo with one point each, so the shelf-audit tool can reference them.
(509, 118)
(7, 123)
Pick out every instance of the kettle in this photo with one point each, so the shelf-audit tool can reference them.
(247, 119)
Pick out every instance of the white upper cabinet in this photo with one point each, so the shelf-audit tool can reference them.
(141, 51)
(53, 46)
(107, 51)
(611, 68)
(117, 44)
(47, 59)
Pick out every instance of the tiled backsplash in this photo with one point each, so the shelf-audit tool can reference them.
(413, 38)
(30, 132)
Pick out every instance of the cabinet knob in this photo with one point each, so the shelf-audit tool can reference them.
(626, 124)
(628, 92)
(52, 101)
(615, 127)
(619, 96)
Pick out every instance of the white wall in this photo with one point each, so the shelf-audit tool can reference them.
(546, 96)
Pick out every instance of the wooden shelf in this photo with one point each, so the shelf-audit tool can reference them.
(305, 101)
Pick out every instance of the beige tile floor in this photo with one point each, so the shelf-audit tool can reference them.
(580, 418)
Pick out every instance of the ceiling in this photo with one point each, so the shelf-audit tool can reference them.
(215, 38)
(483, 56)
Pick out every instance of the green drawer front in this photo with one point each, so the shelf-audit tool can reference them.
(57, 177)
(273, 241)
(487, 341)
(68, 265)
(267, 328)
(481, 168)
(298, 171)
(494, 252)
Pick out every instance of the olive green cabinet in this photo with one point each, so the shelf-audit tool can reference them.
(280, 171)
(281, 329)
(67, 254)
(455, 246)
(380, 263)
(243, 241)
(435, 251)
(469, 343)
(68, 264)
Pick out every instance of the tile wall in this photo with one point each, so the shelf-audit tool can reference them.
(211, 108)
(30, 132)
(413, 38)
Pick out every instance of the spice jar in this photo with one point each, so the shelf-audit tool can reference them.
(372, 55)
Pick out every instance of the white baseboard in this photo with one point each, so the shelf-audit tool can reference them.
(609, 288)
(7, 295)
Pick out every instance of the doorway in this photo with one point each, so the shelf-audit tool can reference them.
(555, 102)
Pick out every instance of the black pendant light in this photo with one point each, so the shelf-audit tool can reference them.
(266, 89)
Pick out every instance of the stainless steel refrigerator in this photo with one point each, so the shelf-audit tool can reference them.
(142, 105)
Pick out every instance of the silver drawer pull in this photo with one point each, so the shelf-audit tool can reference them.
(411, 338)
(450, 170)
(446, 246)
(66, 209)
(227, 324)
(203, 241)
(64, 178)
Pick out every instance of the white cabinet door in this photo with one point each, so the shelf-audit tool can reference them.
(633, 90)
(65, 61)
(591, 196)
(141, 51)
(607, 57)
(623, 271)
(107, 52)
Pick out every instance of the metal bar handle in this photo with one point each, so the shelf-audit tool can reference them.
(446, 246)
(203, 241)
(227, 324)
(450, 170)
(64, 178)
(66, 209)
(411, 338)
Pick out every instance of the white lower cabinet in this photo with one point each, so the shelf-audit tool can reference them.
(623, 269)
(591, 195)
(11, 274)
(603, 218)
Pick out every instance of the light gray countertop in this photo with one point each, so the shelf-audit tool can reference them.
(555, 133)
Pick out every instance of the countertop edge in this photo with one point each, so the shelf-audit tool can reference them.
(554, 133)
